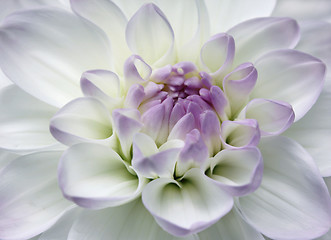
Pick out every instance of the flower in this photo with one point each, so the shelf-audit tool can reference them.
(167, 125)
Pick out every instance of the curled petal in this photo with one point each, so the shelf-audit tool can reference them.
(95, 176)
(211, 131)
(219, 101)
(81, 120)
(149, 35)
(238, 85)
(240, 134)
(217, 54)
(134, 96)
(274, 117)
(103, 85)
(152, 163)
(194, 153)
(186, 207)
(290, 76)
(126, 124)
(238, 171)
(136, 70)
(185, 125)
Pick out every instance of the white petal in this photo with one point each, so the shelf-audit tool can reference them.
(24, 121)
(256, 37)
(224, 14)
(313, 132)
(238, 171)
(188, 206)
(231, 227)
(103, 85)
(129, 221)
(6, 157)
(316, 40)
(292, 201)
(274, 117)
(95, 176)
(106, 15)
(82, 120)
(303, 10)
(60, 230)
(4, 80)
(130, 7)
(31, 201)
(45, 52)
(10, 6)
(149, 35)
(290, 76)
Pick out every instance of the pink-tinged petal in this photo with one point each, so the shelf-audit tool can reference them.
(103, 85)
(129, 221)
(24, 121)
(31, 201)
(258, 36)
(183, 126)
(176, 114)
(238, 171)
(238, 85)
(231, 227)
(149, 35)
(136, 70)
(219, 101)
(188, 206)
(211, 131)
(223, 14)
(290, 76)
(217, 54)
(106, 15)
(274, 117)
(95, 176)
(152, 120)
(313, 132)
(135, 96)
(82, 120)
(47, 62)
(194, 153)
(127, 123)
(149, 162)
(292, 201)
(240, 133)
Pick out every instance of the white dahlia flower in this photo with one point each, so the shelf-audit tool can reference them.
(190, 119)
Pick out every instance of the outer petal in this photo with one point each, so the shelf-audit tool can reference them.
(95, 176)
(106, 15)
(130, 221)
(256, 37)
(4, 80)
(24, 121)
(303, 10)
(274, 117)
(292, 201)
(313, 132)
(30, 199)
(6, 157)
(238, 171)
(188, 206)
(149, 35)
(10, 6)
(45, 51)
(231, 227)
(316, 40)
(290, 76)
(82, 120)
(60, 230)
(223, 14)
